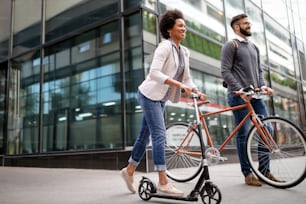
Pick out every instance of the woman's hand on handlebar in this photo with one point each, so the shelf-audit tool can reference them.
(201, 96)
(187, 92)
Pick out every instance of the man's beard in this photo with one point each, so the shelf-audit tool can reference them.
(244, 32)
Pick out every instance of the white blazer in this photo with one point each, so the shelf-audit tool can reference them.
(164, 65)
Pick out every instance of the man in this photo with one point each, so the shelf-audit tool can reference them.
(240, 68)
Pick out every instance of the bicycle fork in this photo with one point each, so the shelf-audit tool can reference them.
(264, 133)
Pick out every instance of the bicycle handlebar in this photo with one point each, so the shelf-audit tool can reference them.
(192, 95)
(251, 91)
(248, 91)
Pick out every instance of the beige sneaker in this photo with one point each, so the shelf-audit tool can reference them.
(129, 180)
(169, 189)
(271, 177)
(251, 180)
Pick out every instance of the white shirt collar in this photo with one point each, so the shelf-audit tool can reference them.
(240, 38)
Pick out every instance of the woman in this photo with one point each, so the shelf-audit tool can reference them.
(169, 75)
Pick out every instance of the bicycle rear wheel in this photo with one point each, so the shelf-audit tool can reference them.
(287, 159)
(183, 152)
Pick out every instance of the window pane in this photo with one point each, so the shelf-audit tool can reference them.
(3, 70)
(152, 4)
(82, 96)
(279, 13)
(233, 8)
(149, 25)
(130, 3)
(66, 16)
(302, 58)
(194, 13)
(219, 125)
(304, 94)
(279, 48)
(204, 37)
(286, 105)
(5, 9)
(133, 72)
(255, 17)
(23, 115)
(299, 19)
(257, 2)
(27, 25)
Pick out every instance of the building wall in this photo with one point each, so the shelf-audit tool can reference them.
(70, 72)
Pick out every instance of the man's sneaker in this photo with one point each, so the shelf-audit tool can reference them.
(251, 180)
(129, 180)
(272, 178)
(169, 189)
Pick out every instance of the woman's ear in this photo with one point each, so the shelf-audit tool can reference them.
(169, 31)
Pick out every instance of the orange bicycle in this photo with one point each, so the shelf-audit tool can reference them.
(274, 140)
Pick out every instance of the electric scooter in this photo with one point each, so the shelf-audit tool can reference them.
(205, 188)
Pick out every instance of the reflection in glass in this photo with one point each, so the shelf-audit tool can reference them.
(149, 39)
(286, 107)
(304, 94)
(302, 58)
(133, 74)
(149, 22)
(23, 114)
(194, 13)
(298, 11)
(82, 97)
(285, 97)
(130, 3)
(257, 28)
(212, 86)
(150, 4)
(27, 25)
(3, 71)
(257, 2)
(278, 12)
(5, 28)
(233, 8)
(64, 16)
(279, 48)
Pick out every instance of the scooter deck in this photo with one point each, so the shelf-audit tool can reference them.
(173, 197)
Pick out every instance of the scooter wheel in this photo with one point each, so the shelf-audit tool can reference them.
(210, 194)
(146, 188)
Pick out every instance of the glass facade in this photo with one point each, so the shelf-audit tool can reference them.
(69, 70)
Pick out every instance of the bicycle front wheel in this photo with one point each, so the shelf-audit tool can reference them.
(183, 152)
(284, 157)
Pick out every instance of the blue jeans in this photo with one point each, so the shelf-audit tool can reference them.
(153, 125)
(260, 109)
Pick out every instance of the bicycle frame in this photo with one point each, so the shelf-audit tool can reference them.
(273, 146)
(200, 117)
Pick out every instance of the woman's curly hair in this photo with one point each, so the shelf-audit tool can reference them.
(167, 21)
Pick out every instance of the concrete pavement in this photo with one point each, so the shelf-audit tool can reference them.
(82, 186)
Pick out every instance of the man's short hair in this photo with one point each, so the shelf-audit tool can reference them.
(237, 18)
